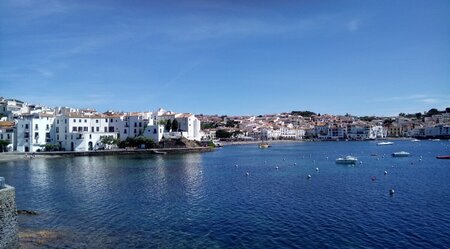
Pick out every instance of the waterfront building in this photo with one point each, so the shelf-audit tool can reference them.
(7, 133)
(34, 131)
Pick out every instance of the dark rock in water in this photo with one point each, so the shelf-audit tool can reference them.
(26, 212)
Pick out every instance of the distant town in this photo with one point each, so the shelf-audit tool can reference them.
(27, 127)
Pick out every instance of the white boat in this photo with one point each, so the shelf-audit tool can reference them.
(400, 154)
(385, 143)
(264, 145)
(415, 140)
(347, 160)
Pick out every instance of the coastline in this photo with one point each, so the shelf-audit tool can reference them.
(14, 156)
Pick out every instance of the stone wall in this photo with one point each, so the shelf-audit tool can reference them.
(8, 219)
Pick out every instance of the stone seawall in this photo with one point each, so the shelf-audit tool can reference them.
(8, 219)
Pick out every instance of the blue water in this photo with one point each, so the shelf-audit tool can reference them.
(205, 201)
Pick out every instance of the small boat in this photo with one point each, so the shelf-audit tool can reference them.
(264, 145)
(385, 143)
(347, 160)
(415, 140)
(443, 157)
(435, 140)
(400, 154)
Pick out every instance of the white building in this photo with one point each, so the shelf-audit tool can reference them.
(33, 132)
(7, 133)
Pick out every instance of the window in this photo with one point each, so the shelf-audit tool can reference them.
(106, 120)
(65, 121)
(26, 126)
(57, 121)
(140, 124)
(74, 120)
(96, 121)
(57, 129)
(135, 124)
(36, 127)
(65, 129)
(47, 135)
(106, 129)
(135, 131)
(85, 120)
(74, 128)
(65, 137)
(36, 135)
(80, 129)
(8, 136)
(111, 120)
(47, 127)
(79, 120)
(57, 137)
(92, 129)
(90, 136)
(98, 129)
(111, 129)
(154, 131)
(124, 131)
(85, 128)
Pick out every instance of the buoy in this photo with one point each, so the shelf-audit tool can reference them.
(276, 167)
(309, 176)
(385, 172)
(247, 174)
(295, 163)
(236, 165)
(360, 162)
(317, 169)
(391, 191)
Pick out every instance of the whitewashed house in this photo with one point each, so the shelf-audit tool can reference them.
(34, 131)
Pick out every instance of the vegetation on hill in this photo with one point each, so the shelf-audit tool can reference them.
(303, 113)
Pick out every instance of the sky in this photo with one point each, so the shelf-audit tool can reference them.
(228, 57)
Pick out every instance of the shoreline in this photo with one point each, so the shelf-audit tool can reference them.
(15, 156)
(228, 143)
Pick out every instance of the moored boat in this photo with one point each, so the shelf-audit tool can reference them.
(347, 160)
(443, 157)
(385, 143)
(401, 154)
(264, 145)
(415, 140)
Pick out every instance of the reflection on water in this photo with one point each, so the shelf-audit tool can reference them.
(204, 201)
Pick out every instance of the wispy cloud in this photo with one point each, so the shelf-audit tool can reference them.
(353, 25)
(418, 98)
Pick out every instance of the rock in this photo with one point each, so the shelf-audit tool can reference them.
(26, 212)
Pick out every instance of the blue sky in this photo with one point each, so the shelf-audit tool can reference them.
(228, 57)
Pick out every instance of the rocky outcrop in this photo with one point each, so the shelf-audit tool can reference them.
(8, 219)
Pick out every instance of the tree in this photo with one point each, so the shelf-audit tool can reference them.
(137, 142)
(3, 145)
(418, 115)
(447, 109)
(168, 125)
(223, 134)
(432, 112)
(175, 125)
(230, 123)
(303, 113)
(108, 140)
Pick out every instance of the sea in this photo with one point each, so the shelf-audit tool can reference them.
(291, 195)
